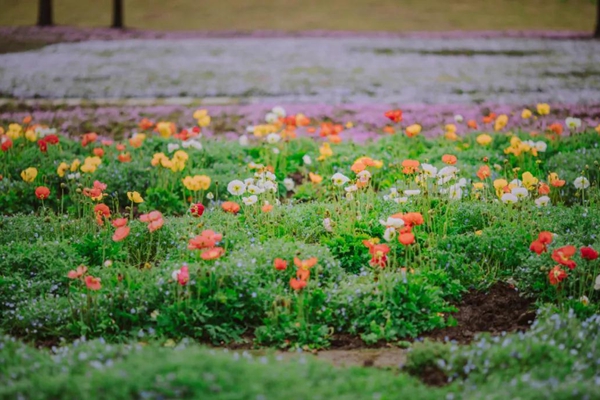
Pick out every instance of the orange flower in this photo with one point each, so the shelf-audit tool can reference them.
(206, 239)
(406, 238)
(297, 284)
(449, 159)
(119, 222)
(556, 128)
(280, 264)
(88, 138)
(314, 178)
(101, 211)
(389, 130)
(77, 273)
(410, 219)
(42, 192)
(394, 115)
(379, 255)
(543, 189)
(121, 233)
(267, 208)
(489, 118)
(472, 124)
(557, 275)
(92, 283)
(336, 139)
(213, 254)
(305, 264)
(98, 151)
(410, 166)
(545, 237)
(27, 119)
(145, 124)
(484, 172)
(230, 207)
(124, 157)
(357, 167)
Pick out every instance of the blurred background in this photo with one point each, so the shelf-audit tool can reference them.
(294, 15)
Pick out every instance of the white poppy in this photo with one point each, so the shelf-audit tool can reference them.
(462, 182)
(351, 188)
(243, 140)
(327, 225)
(542, 201)
(275, 150)
(573, 123)
(392, 222)
(520, 192)
(597, 283)
(250, 200)
(253, 189)
(236, 187)
(193, 143)
(389, 234)
(509, 198)
(271, 117)
(429, 170)
(581, 182)
(455, 192)
(289, 184)
(516, 182)
(401, 200)
(584, 300)
(279, 111)
(458, 118)
(339, 179)
(364, 175)
(541, 146)
(171, 147)
(306, 159)
(412, 192)
(273, 138)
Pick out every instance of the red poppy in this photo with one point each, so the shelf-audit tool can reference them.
(394, 115)
(230, 207)
(213, 254)
(88, 138)
(556, 128)
(92, 283)
(472, 124)
(51, 139)
(43, 145)
(297, 284)
(557, 275)
(537, 247)
(183, 276)
(6, 143)
(197, 209)
(545, 237)
(587, 253)
(121, 233)
(145, 124)
(543, 189)
(379, 255)
(42, 192)
(406, 238)
(563, 256)
(99, 152)
(280, 264)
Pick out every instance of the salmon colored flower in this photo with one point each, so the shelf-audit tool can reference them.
(587, 253)
(484, 172)
(410, 219)
(449, 159)
(379, 255)
(305, 264)
(297, 284)
(389, 129)
(42, 192)
(314, 178)
(410, 166)
(205, 240)
(77, 273)
(543, 189)
(197, 210)
(213, 254)
(472, 124)
(121, 233)
(120, 147)
(124, 157)
(394, 115)
(267, 208)
(557, 275)
(154, 219)
(182, 275)
(563, 256)
(406, 237)
(280, 264)
(230, 207)
(92, 283)
(556, 128)
(555, 181)
(98, 152)
(88, 138)
(119, 222)
(101, 211)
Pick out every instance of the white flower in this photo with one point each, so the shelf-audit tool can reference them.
(210, 196)
(541, 146)
(236, 187)
(339, 179)
(268, 185)
(542, 201)
(520, 192)
(271, 117)
(175, 274)
(289, 184)
(364, 175)
(392, 222)
(401, 200)
(250, 200)
(509, 198)
(573, 123)
(171, 147)
(462, 182)
(349, 196)
(429, 170)
(597, 283)
(455, 192)
(248, 181)
(516, 182)
(389, 234)
(253, 189)
(193, 143)
(584, 300)
(275, 150)
(447, 171)
(279, 111)
(250, 129)
(273, 138)
(243, 140)
(306, 159)
(458, 118)
(351, 188)
(73, 176)
(412, 192)
(327, 225)
(581, 183)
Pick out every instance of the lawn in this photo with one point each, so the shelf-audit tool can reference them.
(117, 253)
(288, 15)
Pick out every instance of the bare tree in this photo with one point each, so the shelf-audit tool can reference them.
(118, 14)
(45, 13)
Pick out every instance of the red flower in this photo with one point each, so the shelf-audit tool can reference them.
(279, 264)
(537, 247)
(379, 255)
(51, 139)
(119, 222)
(98, 151)
(394, 115)
(197, 209)
(556, 128)
(183, 275)
(124, 157)
(557, 275)
(588, 253)
(545, 237)
(121, 233)
(213, 254)
(297, 284)
(92, 283)
(42, 192)
(6, 143)
(43, 145)
(563, 256)
(88, 138)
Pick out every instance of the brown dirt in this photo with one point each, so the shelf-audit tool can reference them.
(499, 309)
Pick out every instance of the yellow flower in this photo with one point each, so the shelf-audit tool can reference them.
(62, 169)
(478, 185)
(526, 113)
(202, 117)
(450, 128)
(349, 125)
(181, 155)
(29, 174)
(325, 151)
(263, 130)
(451, 135)
(31, 135)
(501, 122)
(484, 139)
(14, 131)
(95, 161)
(88, 168)
(165, 129)
(197, 182)
(413, 130)
(543, 109)
(135, 197)
(499, 185)
(75, 165)
(177, 164)
(314, 178)
(598, 128)
(529, 181)
(479, 232)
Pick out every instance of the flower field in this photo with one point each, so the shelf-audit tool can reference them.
(291, 235)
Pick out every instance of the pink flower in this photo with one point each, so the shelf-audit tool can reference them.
(77, 273)
(121, 233)
(119, 222)
(92, 283)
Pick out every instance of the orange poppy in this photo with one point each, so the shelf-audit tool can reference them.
(449, 159)
(297, 284)
(484, 172)
(280, 264)
(213, 254)
(230, 207)
(410, 166)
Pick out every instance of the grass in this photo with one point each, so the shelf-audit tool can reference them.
(295, 15)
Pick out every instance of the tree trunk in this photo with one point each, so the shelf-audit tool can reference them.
(597, 32)
(118, 14)
(45, 13)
